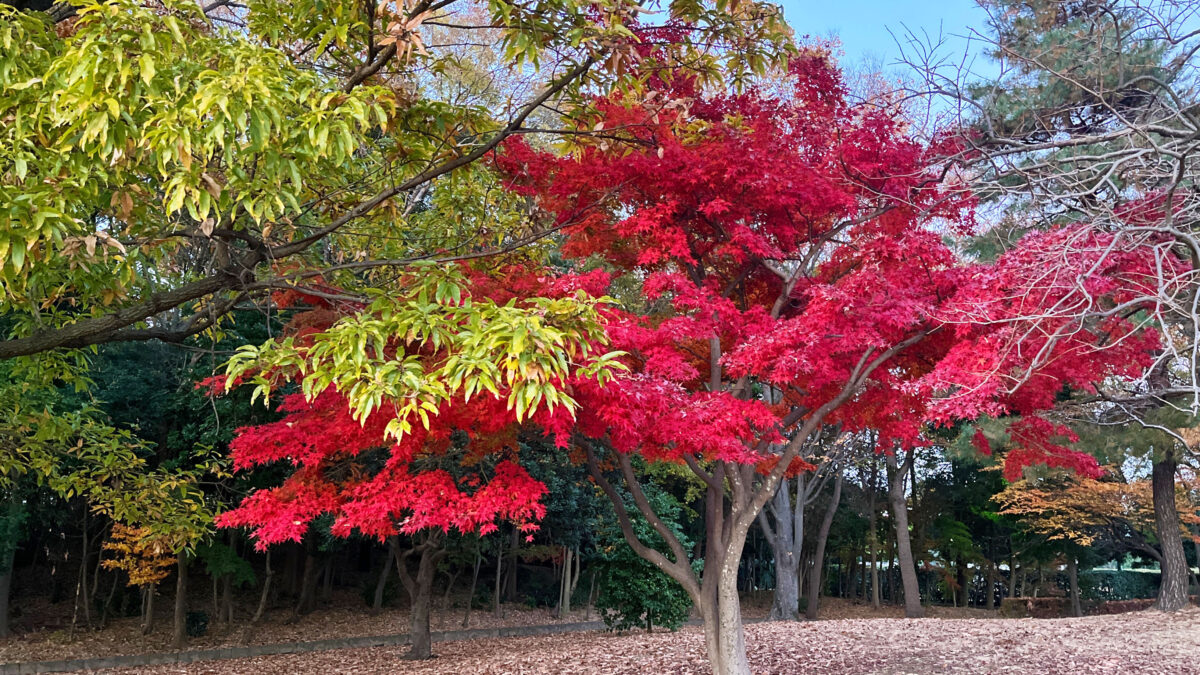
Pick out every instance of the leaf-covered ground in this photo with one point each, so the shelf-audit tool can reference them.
(43, 633)
(1126, 644)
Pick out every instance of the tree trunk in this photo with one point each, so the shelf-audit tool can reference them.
(1012, 576)
(989, 594)
(1172, 594)
(227, 600)
(95, 590)
(148, 609)
(216, 598)
(381, 583)
(327, 582)
(899, 508)
(591, 596)
(570, 579)
(785, 604)
(723, 634)
(179, 639)
(11, 517)
(856, 576)
(420, 593)
(474, 580)
(734, 496)
(893, 597)
(451, 579)
(264, 596)
(786, 539)
(564, 580)
(308, 587)
(1073, 580)
(266, 590)
(496, 611)
(1196, 550)
(960, 580)
(112, 592)
(9, 552)
(510, 575)
(818, 559)
(873, 534)
(81, 587)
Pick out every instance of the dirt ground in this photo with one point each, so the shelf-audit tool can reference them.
(1127, 644)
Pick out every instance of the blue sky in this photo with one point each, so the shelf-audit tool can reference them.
(863, 25)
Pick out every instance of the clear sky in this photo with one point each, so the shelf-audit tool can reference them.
(863, 25)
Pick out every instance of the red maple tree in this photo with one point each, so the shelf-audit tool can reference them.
(793, 249)
(459, 473)
(793, 252)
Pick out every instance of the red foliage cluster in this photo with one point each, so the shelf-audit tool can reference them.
(419, 483)
(790, 240)
(371, 484)
(788, 244)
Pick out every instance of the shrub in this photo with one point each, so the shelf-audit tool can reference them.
(196, 624)
(632, 591)
(1118, 584)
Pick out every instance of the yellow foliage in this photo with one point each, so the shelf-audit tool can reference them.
(144, 557)
(1064, 506)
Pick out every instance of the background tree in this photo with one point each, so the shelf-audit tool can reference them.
(1092, 122)
(783, 521)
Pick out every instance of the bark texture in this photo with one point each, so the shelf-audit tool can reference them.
(179, 637)
(818, 558)
(1172, 594)
(899, 508)
(420, 593)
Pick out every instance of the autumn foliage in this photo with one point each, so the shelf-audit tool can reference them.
(145, 559)
(792, 251)
(789, 242)
(453, 466)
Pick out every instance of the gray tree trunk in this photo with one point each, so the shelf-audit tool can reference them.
(474, 580)
(308, 587)
(786, 539)
(420, 592)
(873, 533)
(570, 579)
(720, 609)
(1172, 594)
(899, 508)
(989, 595)
(179, 638)
(148, 606)
(1073, 579)
(496, 610)
(814, 578)
(1012, 576)
(266, 592)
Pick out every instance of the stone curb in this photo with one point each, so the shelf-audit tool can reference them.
(162, 658)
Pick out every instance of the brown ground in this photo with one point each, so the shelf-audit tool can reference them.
(50, 638)
(1126, 644)
(346, 616)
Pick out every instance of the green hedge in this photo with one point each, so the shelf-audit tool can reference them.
(1117, 585)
